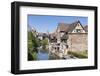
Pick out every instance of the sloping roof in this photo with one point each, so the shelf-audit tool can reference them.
(72, 26)
(86, 28)
(63, 26)
(68, 27)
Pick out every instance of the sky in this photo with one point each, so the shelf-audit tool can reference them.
(48, 23)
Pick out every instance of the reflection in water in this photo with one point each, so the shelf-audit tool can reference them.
(42, 55)
(45, 55)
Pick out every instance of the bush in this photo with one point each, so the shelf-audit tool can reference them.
(33, 44)
(44, 43)
(32, 55)
(79, 54)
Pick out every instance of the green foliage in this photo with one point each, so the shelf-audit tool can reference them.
(79, 54)
(32, 55)
(44, 43)
(30, 38)
(33, 44)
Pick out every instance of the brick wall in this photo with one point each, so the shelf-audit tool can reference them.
(77, 42)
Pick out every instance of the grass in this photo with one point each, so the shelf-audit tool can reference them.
(79, 54)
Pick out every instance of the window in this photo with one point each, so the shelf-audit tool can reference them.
(63, 40)
(78, 30)
(66, 46)
(61, 34)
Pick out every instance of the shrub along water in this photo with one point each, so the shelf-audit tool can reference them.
(33, 44)
(79, 54)
(44, 43)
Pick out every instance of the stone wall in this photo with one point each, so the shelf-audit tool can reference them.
(77, 42)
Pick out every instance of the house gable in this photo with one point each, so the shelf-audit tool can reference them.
(75, 27)
(78, 28)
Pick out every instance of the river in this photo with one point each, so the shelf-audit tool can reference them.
(45, 55)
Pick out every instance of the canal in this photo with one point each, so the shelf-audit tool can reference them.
(45, 55)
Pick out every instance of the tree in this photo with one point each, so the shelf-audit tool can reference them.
(44, 42)
(33, 44)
